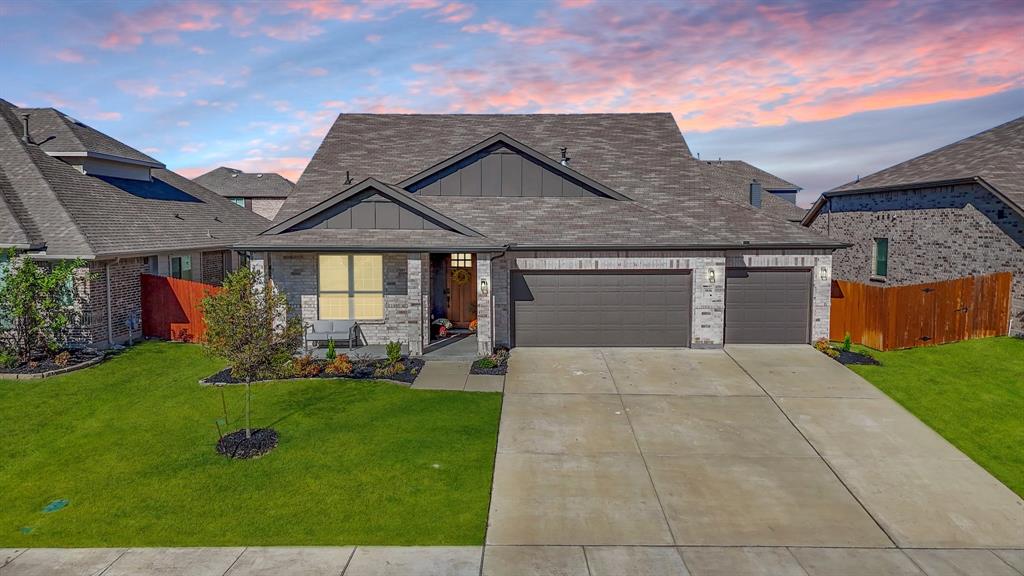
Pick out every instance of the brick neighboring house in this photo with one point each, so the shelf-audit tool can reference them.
(743, 182)
(262, 192)
(952, 212)
(69, 191)
(546, 229)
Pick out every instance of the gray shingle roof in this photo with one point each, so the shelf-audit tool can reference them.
(234, 183)
(56, 133)
(11, 231)
(642, 156)
(348, 239)
(73, 214)
(995, 155)
(731, 179)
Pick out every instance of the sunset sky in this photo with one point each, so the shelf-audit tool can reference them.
(815, 92)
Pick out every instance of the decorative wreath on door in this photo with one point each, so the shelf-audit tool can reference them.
(460, 276)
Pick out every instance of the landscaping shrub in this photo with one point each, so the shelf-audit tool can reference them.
(340, 366)
(486, 362)
(394, 351)
(37, 306)
(7, 359)
(825, 347)
(847, 342)
(331, 352)
(389, 370)
(62, 359)
(305, 367)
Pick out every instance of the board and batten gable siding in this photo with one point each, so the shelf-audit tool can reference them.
(501, 172)
(934, 234)
(368, 213)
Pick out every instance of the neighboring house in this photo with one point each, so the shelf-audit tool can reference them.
(261, 192)
(953, 212)
(742, 182)
(69, 191)
(549, 230)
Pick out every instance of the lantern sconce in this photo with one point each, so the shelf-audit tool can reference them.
(483, 287)
(824, 273)
(711, 275)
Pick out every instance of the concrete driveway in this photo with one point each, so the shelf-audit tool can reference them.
(747, 446)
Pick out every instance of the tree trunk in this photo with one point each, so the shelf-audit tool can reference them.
(248, 394)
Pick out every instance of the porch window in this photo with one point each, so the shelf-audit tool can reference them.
(351, 286)
(880, 257)
(462, 260)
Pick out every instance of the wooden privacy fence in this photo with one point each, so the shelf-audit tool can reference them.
(171, 308)
(922, 314)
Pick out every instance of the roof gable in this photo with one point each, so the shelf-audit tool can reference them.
(501, 166)
(235, 183)
(372, 204)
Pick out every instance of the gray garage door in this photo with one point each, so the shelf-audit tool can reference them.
(601, 308)
(767, 306)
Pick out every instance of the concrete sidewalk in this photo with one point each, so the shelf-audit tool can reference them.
(511, 561)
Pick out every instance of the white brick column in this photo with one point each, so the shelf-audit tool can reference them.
(821, 298)
(484, 308)
(707, 327)
(418, 284)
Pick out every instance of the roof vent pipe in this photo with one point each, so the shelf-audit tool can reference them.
(755, 193)
(24, 129)
(348, 178)
(565, 156)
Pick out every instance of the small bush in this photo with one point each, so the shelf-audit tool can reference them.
(486, 363)
(340, 366)
(394, 350)
(825, 347)
(847, 342)
(62, 359)
(305, 367)
(389, 370)
(8, 360)
(331, 352)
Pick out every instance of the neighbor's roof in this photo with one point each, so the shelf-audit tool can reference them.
(61, 135)
(234, 183)
(994, 157)
(67, 213)
(641, 156)
(732, 179)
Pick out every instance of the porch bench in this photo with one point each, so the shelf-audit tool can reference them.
(324, 330)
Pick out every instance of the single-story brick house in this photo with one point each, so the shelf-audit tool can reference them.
(548, 230)
(953, 212)
(262, 192)
(68, 191)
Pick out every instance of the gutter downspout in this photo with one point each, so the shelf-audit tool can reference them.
(490, 297)
(110, 315)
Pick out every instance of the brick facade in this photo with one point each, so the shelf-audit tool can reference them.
(212, 267)
(934, 234)
(125, 299)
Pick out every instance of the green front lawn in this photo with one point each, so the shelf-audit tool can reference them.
(130, 445)
(972, 393)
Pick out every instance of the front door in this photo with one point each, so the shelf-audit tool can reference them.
(461, 288)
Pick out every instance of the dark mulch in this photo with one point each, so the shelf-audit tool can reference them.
(498, 370)
(846, 357)
(236, 445)
(42, 364)
(362, 370)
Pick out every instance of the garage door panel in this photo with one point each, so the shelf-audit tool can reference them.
(601, 308)
(767, 306)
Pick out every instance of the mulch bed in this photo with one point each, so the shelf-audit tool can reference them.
(360, 371)
(855, 358)
(498, 370)
(236, 445)
(46, 364)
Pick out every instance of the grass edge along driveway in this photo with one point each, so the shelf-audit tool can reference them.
(130, 445)
(970, 392)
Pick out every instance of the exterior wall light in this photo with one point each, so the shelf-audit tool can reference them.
(711, 275)
(483, 287)
(824, 273)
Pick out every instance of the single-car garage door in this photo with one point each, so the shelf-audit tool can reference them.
(647, 308)
(767, 306)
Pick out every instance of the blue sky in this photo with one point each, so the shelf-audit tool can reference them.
(817, 92)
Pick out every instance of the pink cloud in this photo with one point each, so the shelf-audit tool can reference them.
(161, 23)
(327, 9)
(145, 89)
(107, 116)
(575, 3)
(69, 55)
(317, 71)
(200, 50)
(290, 167)
(455, 12)
(373, 38)
(299, 31)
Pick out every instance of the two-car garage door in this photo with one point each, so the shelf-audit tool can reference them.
(653, 308)
(615, 308)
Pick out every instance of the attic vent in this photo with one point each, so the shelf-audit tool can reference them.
(755, 193)
(259, 175)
